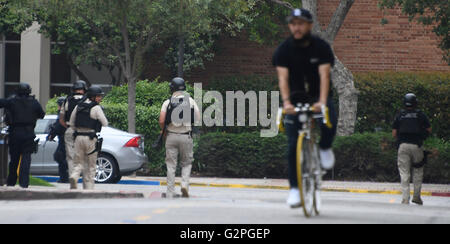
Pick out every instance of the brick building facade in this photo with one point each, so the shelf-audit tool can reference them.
(363, 44)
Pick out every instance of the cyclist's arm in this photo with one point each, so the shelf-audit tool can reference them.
(283, 80)
(325, 77)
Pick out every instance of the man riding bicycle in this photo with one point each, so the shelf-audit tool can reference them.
(303, 64)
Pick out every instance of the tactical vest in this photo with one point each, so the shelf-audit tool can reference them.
(84, 120)
(22, 112)
(71, 102)
(410, 122)
(175, 103)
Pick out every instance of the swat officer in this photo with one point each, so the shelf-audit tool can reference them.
(87, 119)
(411, 127)
(58, 130)
(23, 110)
(78, 91)
(176, 118)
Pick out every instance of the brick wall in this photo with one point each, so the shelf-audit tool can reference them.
(363, 44)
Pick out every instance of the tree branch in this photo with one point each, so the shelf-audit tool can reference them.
(77, 71)
(283, 3)
(338, 19)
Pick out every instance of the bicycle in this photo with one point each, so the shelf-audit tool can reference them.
(309, 170)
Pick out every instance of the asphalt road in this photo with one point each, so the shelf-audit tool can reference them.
(223, 206)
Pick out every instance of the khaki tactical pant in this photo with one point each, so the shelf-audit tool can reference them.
(70, 148)
(407, 155)
(83, 162)
(178, 145)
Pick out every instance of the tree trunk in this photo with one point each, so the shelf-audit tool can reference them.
(132, 105)
(181, 51)
(343, 81)
(342, 77)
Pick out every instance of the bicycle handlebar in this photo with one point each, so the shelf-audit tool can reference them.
(307, 109)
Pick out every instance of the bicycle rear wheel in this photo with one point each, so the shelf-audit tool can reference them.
(305, 175)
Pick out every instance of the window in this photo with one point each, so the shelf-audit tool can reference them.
(60, 74)
(11, 67)
(12, 62)
(60, 69)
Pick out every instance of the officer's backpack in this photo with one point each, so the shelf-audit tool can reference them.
(175, 102)
(410, 122)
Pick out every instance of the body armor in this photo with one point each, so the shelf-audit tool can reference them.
(410, 123)
(84, 120)
(72, 102)
(22, 112)
(178, 102)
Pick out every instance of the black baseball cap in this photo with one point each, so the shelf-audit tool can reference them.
(300, 13)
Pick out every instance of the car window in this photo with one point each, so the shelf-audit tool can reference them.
(43, 126)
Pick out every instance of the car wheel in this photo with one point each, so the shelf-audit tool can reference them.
(107, 170)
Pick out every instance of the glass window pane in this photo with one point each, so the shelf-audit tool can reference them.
(60, 69)
(12, 63)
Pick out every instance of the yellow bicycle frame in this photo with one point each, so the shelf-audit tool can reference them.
(301, 137)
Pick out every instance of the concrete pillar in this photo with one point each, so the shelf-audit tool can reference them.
(35, 63)
(2, 66)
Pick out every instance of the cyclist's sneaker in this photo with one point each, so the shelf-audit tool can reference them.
(294, 200)
(327, 159)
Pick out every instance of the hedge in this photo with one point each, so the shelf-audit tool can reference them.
(381, 98)
(246, 155)
(244, 83)
(224, 154)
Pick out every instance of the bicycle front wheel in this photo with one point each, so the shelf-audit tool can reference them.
(305, 175)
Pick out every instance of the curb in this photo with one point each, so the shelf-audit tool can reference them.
(267, 187)
(392, 192)
(27, 195)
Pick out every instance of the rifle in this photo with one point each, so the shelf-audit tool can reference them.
(159, 141)
(158, 144)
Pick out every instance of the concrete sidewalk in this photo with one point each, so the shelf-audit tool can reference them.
(333, 186)
(50, 193)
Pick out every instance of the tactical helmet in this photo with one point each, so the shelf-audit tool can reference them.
(94, 91)
(410, 100)
(79, 85)
(178, 84)
(23, 89)
(61, 101)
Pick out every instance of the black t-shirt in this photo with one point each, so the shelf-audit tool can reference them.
(303, 64)
(412, 138)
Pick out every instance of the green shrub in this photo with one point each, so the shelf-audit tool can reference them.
(147, 93)
(366, 157)
(245, 84)
(381, 98)
(241, 155)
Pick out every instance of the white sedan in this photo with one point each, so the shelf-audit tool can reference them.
(122, 153)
